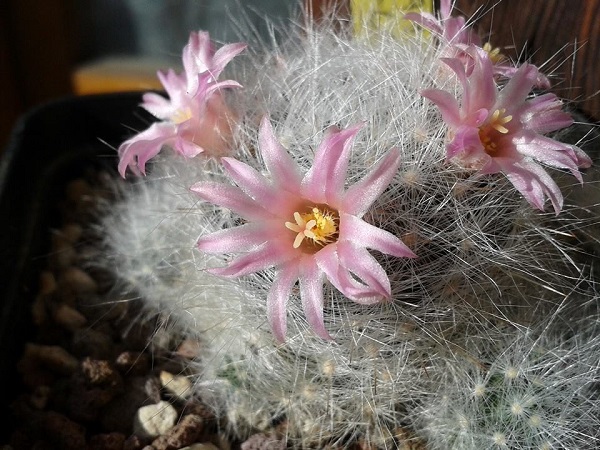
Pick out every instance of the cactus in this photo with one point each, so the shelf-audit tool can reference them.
(487, 333)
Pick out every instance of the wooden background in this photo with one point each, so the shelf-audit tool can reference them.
(38, 46)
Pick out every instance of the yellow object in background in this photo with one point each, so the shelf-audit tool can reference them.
(386, 14)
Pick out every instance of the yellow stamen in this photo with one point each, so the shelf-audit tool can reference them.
(494, 53)
(318, 225)
(495, 124)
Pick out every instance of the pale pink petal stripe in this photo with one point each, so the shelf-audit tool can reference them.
(259, 188)
(267, 255)
(328, 261)
(362, 264)
(277, 299)
(282, 167)
(324, 182)
(369, 236)
(360, 196)
(232, 198)
(144, 146)
(242, 238)
(311, 287)
(532, 181)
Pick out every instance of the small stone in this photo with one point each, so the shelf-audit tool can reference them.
(79, 281)
(119, 413)
(132, 363)
(176, 386)
(71, 232)
(52, 357)
(107, 441)
(39, 397)
(63, 253)
(93, 343)
(99, 373)
(154, 420)
(47, 283)
(185, 433)
(263, 441)
(68, 317)
(189, 349)
(201, 446)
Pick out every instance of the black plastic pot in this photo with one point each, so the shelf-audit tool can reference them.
(48, 147)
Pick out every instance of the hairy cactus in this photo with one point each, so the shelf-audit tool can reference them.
(472, 322)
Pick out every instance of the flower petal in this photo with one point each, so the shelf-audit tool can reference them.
(272, 253)
(533, 182)
(242, 238)
(137, 150)
(232, 198)
(255, 185)
(324, 182)
(279, 163)
(277, 299)
(361, 263)
(447, 104)
(311, 292)
(366, 235)
(360, 196)
(328, 261)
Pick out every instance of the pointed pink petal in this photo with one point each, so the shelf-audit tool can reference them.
(533, 182)
(482, 91)
(278, 297)
(466, 145)
(519, 86)
(144, 146)
(311, 292)
(360, 196)
(425, 20)
(324, 182)
(270, 254)
(366, 235)
(224, 55)
(328, 261)
(447, 104)
(256, 186)
(232, 198)
(543, 114)
(549, 151)
(242, 238)
(158, 106)
(279, 163)
(362, 264)
(187, 148)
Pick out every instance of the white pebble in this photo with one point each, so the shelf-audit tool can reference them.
(176, 386)
(154, 420)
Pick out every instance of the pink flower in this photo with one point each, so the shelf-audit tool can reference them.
(452, 30)
(200, 57)
(307, 226)
(457, 36)
(195, 118)
(502, 131)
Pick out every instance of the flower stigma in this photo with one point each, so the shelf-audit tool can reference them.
(495, 125)
(318, 225)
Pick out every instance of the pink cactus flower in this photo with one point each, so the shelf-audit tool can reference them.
(503, 130)
(195, 118)
(456, 36)
(306, 226)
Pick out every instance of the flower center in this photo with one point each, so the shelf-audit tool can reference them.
(488, 133)
(318, 225)
(181, 115)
